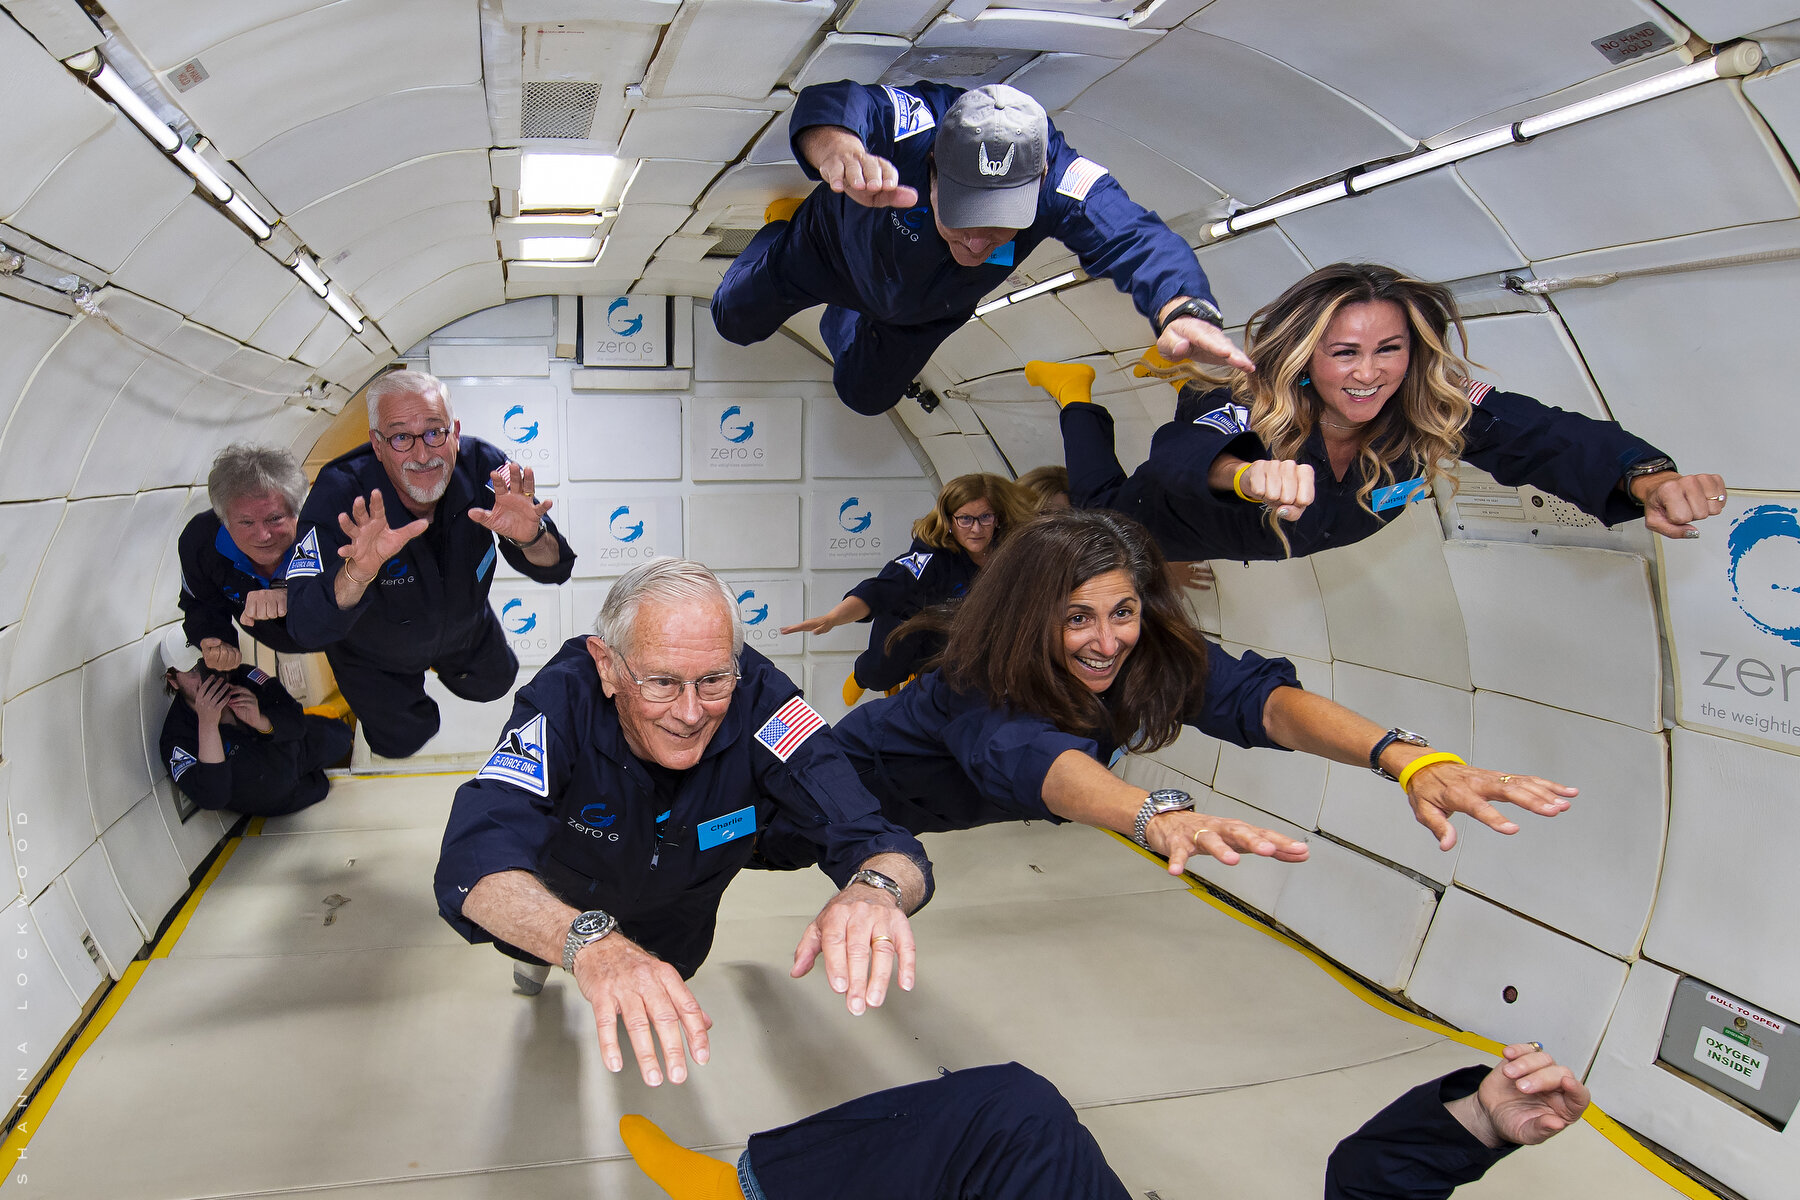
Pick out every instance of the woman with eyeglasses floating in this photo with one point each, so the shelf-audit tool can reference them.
(1357, 406)
(973, 515)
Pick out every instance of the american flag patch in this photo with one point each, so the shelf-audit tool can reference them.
(1079, 178)
(257, 675)
(1477, 390)
(1233, 418)
(792, 724)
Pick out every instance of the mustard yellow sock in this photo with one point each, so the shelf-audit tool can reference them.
(782, 209)
(852, 690)
(1067, 382)
(1151, 358)
(677, 1170)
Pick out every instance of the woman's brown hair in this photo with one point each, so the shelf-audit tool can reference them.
(1006, 636)
(1012, 505)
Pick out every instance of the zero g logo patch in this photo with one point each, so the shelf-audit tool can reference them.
(914, 562)
(304, 561)
(179, 762)
(911, 114)
(597, 816)
(522, 758)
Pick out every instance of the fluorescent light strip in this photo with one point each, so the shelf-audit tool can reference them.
(252, 220)
(1053, 284)
(309, 273)
(133, 106)
(1704, 71)
(343, 308)
(203, 173)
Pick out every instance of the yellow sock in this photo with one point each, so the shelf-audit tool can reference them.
(677, 1170)
(1151, 358)
(1067, 382)
(782, 209)
(852, 690)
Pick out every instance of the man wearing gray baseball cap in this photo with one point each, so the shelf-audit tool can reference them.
(899, 275)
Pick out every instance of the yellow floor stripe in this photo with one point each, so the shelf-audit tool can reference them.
(1604, 1125)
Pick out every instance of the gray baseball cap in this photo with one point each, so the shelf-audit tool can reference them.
(990, 151)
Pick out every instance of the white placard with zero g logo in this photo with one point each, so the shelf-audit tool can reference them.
(764, 606)
(624, 331)
(612, 534)
(531, 618)
(519, 418)
(744, 439)
(855, 527)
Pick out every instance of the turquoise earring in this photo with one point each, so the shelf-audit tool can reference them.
(1305, 380)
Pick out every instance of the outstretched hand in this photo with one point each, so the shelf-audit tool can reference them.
(863, 936)
(845, 165)
(1444, 788)
(1192, 338)
(1179, 836)
(372, 540)
(517, 513)
(625, 982)
(1526, 1100)
(822, 624)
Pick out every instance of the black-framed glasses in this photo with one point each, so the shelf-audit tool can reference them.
(663, 689)
(402, 442)
(964, 521)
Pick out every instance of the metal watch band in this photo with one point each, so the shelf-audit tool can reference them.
(1200, 310)
(1396, 734)
(586, 929)
(1163, 800)
(1637, 470)
(878, 880)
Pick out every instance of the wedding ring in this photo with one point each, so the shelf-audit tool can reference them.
(1720, 499)
(1506, 779)
(881, 937)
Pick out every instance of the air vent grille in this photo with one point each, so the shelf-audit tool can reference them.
(558, 108)
(731, 242)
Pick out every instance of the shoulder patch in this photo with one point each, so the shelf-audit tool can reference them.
(1231, 418)
(179, 762)
(792, 724)
(1079, 178)
(911, 114)
(1477, 390)
(258, 675)
(914, 562)
(521, 759)
(303, 560)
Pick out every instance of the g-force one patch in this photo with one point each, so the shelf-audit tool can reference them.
(911, 114)
(304, 561)
(179, 762)
(522, 758)
(1232, 418)
(914, 562)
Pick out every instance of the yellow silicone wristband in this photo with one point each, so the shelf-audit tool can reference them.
(1425, 760)
(1236, 484)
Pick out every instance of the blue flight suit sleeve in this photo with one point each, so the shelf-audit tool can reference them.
(314, 617)
(897, 590)
(206, 784)
(1182, 452)
(1237, 688)
(1413, 1149)
(1520, 440)
(205, 610)
(870, 113)
(1007, 754)
(286, 718)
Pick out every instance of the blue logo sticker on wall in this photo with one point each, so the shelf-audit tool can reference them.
(626, 323)
(621, 530)
(514, 427)
(754, 616)
(854, 522)
(731, 433)
(524, 622)
(1764, 546)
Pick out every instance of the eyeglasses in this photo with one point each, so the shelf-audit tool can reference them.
(402, 442)
(664, 689)
(964, 521)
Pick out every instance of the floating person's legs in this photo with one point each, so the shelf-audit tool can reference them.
(1067, 383)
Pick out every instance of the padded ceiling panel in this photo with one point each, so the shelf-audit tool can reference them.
(975, 350)
(105, 197)
(134, 420)
(733, 47)
(1249, 271)
(245, 296)
(772, 144)
(57, 633)
(30, 334)
(1460, 59)
(1028, 434)
(1379, 935)
(670, 181)
(711, 134)
(1054, 80)
(650, 222)
(1042, 328)
(380, 293)
(293, 319)
(1390, 605)
(470, 289)
(328, 154)
(184, 257)
(1289, 785)
(25, 533)
(171, 31)
(285, 73)
(1699, 159)
(1532, 353)
(1777, 97)
(1011, 28)
(189, 442)
(48, 114)
(1108, 314)
(1267, 128)
(384, 247)
(901, 17)
(341, 219)
(859, 56)
(1431, 227)
(1716, 334)
(1151, 179)
(1722, 20)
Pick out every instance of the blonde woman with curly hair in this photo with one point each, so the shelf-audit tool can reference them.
(1357, 406)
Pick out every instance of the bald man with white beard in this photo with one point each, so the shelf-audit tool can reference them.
(395, 556)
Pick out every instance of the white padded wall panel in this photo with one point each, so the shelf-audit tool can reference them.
(325, 155)
(824, 683)
(841, 444)
(13, 885)
(1275, 604)
(165, 593)
(624, 437)
(670, 180)
(1532, 353)
(423, 267)
(200, 429)
(291, 322)
(1194, 754)
(1431, 227)
(1590, 871)
(1698, 159)
(467, 290)
(779, 359)
(119, 767)
(1476, 950)
(730, 530)
(772, 145)
(1245, 145)
(25, 533)
(1054, 80)
(975, 350)
(49, 784)
(862, 526)
(121, 611)
(1042, 328)
(59, 921)
(65, 606)
(1257, 881)
(1777, 97)
(105, 197)
(1728, 891)
(1249, 271)
(1108, 314)
(103, 905)
(138, 417)
(1028, 434)
(733, 47)
(1151, 178)
(1561, 625)
(185, 256)
(31, 333)
(1379, 935)
(824, 589)
(194, 838)
(1389, 603)
(344, 217)
(245, 296)
(48, 113)
(1722, 20)
(34, 1027)
(143, 859)
(1723, 333)
(1290, 785)
(1371, 812)
(708, 134)
(463, 221)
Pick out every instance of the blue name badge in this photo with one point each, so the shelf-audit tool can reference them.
(1397, 494)
(728, 828)
(1001, 257)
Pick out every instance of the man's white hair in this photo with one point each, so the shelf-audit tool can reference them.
(668, 580)
(404, 383)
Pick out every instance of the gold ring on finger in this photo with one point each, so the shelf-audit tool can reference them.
(1197, 834)
(1506, 779)
(881, 937)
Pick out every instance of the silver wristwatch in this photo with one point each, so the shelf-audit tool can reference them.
(1161, 801)
(585, 929)
(1396, 734)
(876, 879)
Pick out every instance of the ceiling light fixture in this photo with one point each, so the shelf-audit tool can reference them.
(555, 249)
(309, 273)
(345, 309)
(1054, 284)
(564, 182)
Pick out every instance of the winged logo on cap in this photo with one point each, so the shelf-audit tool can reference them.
(988, 166)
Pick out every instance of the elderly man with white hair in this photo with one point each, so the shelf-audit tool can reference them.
(628, 789)
(391, 572)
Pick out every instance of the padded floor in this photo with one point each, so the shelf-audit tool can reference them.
(379, 1057)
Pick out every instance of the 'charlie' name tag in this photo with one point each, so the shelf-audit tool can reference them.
(728, 828)
(1397, 494)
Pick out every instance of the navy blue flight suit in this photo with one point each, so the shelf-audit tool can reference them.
(1514, 438)
(564, 798)
(264, 774)
(428, 608)
(894, 290)
(1006, 1133)
(923, 576)
(215, 578)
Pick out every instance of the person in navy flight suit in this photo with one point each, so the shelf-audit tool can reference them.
(1357, 406)
(627, 791)
(232, 554)
(236, 740)
(1072, 645)
(932, 197)
(1005, 1133)
(388, 602)
(972, 516)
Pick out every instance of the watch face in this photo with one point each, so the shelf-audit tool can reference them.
(1170, 796)
(1411, 738)
(589, 923)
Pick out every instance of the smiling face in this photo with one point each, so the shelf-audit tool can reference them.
(1361, 361)
(969, 247)
(971, 533)
(421, 472)
(1100, 626)
(262, 527)
(683, 640)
